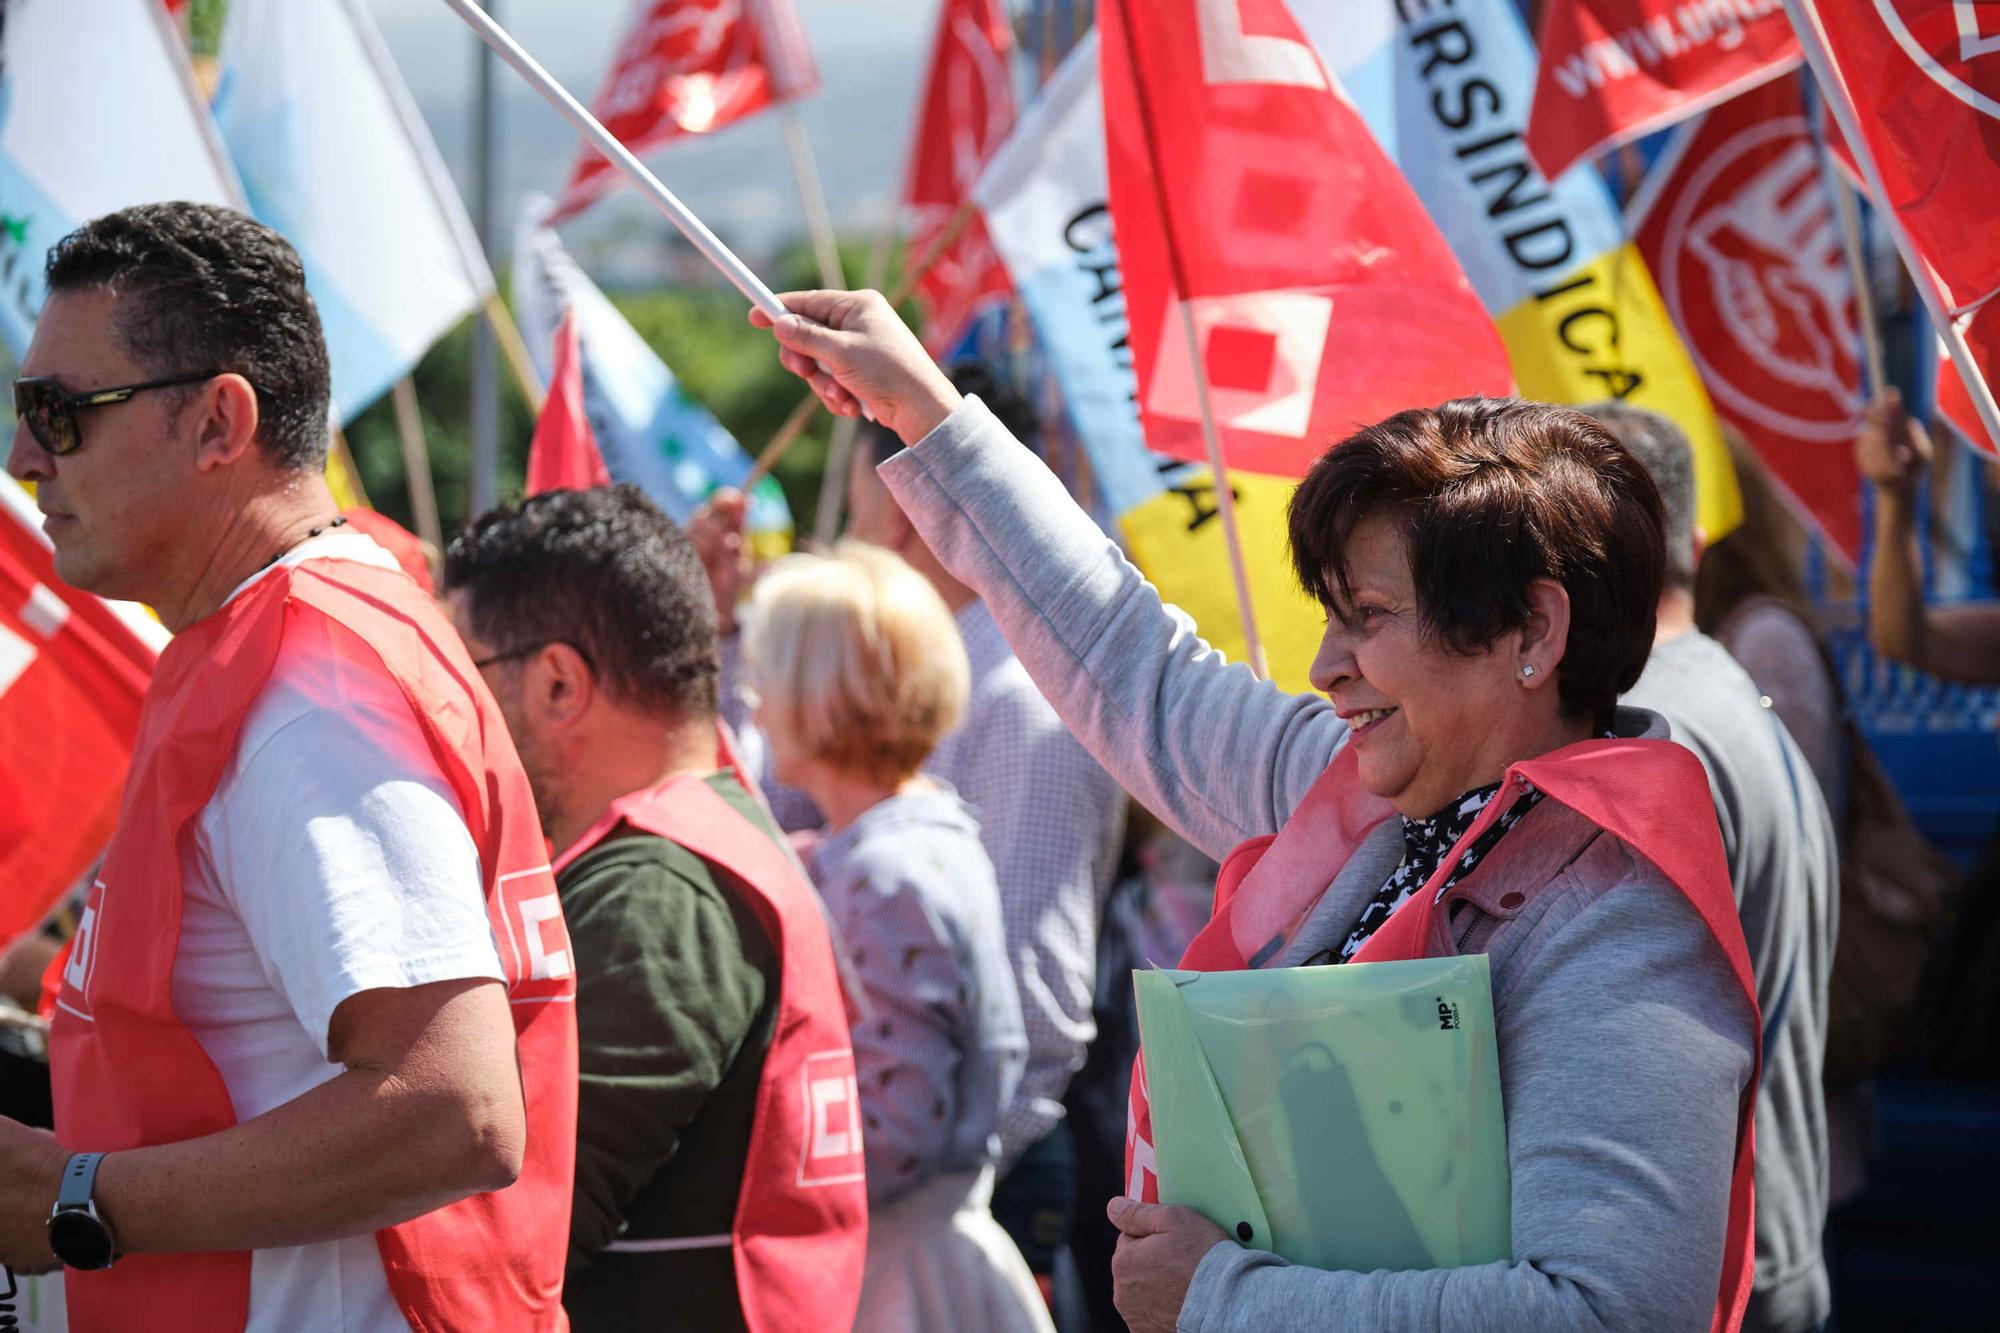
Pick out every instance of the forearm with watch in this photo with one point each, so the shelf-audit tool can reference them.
(373, 1146)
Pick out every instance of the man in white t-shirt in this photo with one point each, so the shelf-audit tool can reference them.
(336, 963)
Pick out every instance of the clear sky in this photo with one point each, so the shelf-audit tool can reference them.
(871, 55)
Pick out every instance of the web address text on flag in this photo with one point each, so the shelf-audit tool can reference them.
(1681, 30)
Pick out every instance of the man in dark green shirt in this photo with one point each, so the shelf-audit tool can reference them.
(592, 621)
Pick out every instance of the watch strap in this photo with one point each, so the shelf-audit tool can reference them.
(79, 1177)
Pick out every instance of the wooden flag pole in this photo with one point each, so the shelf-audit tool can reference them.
(416, 462)
(1849, 219)
(788, 434)
(819, 222)
(1813, 37)
(840, 449)
(514, 352)
(1225, 498)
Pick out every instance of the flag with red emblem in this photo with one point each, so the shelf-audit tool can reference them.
(1741, 235)
(1614, 70)
(687, 67)
(1262, 230)
(73, 670)
(968, 111)
(1923, 77)
(564, 453)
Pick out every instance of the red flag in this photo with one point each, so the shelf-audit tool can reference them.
(1742, 238)
(72, 675)
(1924, 79)
(968, 110)
(563, 455)
(1252, 204)
(1613, 70)
(1954, 402)
(687, 67)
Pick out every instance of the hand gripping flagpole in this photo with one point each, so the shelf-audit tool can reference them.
(603, 141)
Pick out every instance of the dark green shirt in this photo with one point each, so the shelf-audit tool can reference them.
(677, 995)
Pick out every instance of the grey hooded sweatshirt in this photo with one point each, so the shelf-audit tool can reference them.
(1625, 1043)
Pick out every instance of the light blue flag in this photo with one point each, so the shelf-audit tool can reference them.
(334, 155)
(648, 429)
(98, 111)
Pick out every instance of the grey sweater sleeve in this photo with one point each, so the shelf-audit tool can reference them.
(1218, 754)
(1624, 1048)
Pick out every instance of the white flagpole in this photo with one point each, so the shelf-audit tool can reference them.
(1225, 500)
(619, 156)
(1813, 37)
(1849, 218)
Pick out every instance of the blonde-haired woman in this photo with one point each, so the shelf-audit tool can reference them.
(859, 672)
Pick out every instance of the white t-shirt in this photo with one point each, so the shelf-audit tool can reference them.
(333, 858)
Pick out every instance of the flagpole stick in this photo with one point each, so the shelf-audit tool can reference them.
(515, 352)
(788, 434)
(819, 223)
(1225, 498)
(619, 156)
(416, 462)
(1225, 501)
(1849, 219)
(1813, 38)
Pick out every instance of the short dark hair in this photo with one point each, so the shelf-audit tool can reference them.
(205, 288)
(1662, 448)
(605, 571)
(972, 378)
(1492, 494)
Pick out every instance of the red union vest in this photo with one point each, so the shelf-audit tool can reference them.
(801, 1231)
(1639, 791)
(128, 1072)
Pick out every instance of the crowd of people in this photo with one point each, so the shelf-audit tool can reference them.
(623, 934)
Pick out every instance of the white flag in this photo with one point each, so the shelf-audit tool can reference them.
(98, 111)
(334, 155)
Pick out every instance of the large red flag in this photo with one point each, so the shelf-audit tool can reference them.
(1924, 79)
(72, 674)
(1613, 70)
(968, 111)
(687, 67)
(1253, 205)
(564, 454)
(1954, 402)
(1739, 231)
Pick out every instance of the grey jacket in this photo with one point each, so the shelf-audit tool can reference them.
(1624, 1044)
(1785, 870)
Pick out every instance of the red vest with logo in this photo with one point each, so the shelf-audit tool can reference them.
(129, 1073)
(1639, 791)
(801, 1232)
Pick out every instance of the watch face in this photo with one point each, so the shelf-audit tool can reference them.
(80, 1240)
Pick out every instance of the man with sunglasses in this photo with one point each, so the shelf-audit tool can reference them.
(313, 1051)
(718, 1170)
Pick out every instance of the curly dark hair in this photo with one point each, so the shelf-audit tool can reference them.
(1492, 494)
(605, 571)
(205, 288)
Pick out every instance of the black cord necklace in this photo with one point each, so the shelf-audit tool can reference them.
(339, 520)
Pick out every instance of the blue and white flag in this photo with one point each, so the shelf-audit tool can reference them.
(648, 429)
(98, 111)
(334, 155)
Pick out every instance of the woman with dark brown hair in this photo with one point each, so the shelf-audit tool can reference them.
(1490, 571)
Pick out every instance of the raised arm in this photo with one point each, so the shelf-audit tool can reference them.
(1954, 643)
(1218, 754)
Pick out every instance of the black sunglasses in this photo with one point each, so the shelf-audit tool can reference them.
(50, 411)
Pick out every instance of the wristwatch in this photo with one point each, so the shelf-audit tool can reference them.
(78, 1233)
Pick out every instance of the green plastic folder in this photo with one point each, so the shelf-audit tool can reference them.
(1341, 1117)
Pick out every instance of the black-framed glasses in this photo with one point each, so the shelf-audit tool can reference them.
(512, 654)
(50, 410)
